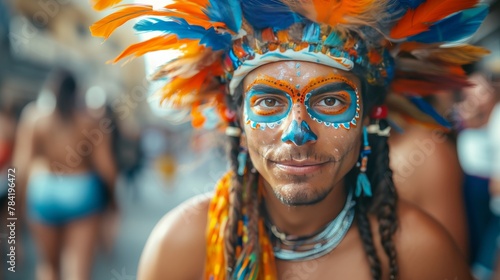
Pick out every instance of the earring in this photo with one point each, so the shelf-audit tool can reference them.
(242, 161)
(363, 184)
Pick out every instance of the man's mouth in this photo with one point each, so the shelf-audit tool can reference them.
(300, 167)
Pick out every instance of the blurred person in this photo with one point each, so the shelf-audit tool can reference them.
(477, 149)
(427, 174)
(494, 184)
(65, 164)
(299, 94)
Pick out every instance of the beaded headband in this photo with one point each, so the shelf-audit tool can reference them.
(413, 48)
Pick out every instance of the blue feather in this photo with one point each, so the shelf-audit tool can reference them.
(226, 11)
(312, 33)
(363, 185)
(216, 40)
(184, 30)
(177, 26)
(333, 40)
(427, 108)
(263, 14)
(454, 28)
(397, 8)
(408, 4)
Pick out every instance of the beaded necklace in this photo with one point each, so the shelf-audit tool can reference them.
(300, 248)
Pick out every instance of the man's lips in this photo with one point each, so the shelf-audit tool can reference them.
(299, 167)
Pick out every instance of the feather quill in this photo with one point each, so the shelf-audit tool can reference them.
(421, 19)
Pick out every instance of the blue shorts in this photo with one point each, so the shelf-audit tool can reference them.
(59, 199)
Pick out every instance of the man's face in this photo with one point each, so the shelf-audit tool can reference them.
(302, 122)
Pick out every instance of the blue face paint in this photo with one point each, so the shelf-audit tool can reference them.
(299, 135)
(259, 114)
(338, 114)
(331, 100)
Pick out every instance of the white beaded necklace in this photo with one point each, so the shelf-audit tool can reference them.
(294, 248)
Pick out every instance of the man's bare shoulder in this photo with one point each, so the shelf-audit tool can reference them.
(176, 246)
(425, 249)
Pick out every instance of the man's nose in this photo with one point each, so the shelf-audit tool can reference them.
(299, 133)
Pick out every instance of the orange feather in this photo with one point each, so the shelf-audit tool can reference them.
(420, 19)
(460, 55)
(190, 64)
(190, 8)
(100, 5)
(192, 85)
(106, 26)
(426, 87)
(334, 12)
(151, 45)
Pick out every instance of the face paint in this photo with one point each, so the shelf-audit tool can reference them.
(267, 102)
(299, 135)
(333, 101)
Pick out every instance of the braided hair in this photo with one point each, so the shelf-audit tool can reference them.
(382, 204)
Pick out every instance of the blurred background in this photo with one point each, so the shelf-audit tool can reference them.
(155, 157)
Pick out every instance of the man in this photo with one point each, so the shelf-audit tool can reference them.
(297, 86)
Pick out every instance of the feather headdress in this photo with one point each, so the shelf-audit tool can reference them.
(410, 47)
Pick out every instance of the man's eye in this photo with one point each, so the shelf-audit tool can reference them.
(332, 105)
(329, 101)
(268, 103)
